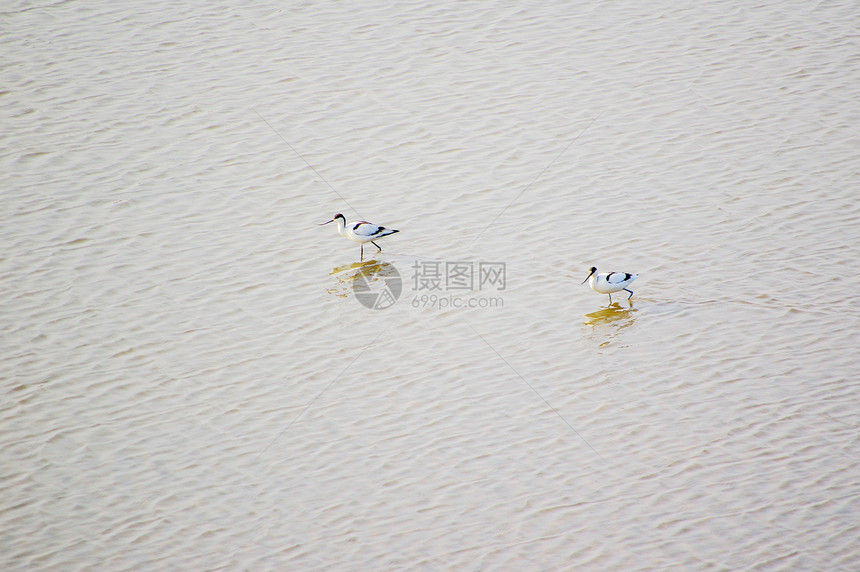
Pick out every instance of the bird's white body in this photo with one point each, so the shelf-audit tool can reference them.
(361, 231)
(610, 282)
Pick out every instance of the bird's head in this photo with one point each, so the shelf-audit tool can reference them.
(593, 270)
(334, 218)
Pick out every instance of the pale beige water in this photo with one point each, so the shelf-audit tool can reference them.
(190, 383)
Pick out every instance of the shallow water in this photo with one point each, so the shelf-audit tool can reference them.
(191, 382)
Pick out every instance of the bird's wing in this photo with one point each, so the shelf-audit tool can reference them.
(618, 277)
(364, 228)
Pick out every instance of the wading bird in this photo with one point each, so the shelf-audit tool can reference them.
(360, 231)
(610, 282)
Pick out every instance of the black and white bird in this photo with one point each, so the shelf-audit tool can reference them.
(610, 282)
(361, 231)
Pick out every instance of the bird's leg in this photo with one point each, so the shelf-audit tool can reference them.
(377, 246)
(362, 252)
(610, 298)
(631, 293)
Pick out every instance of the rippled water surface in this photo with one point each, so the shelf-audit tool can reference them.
(190, 382)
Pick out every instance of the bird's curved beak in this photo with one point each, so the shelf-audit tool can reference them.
(322, 223)
(587, 277)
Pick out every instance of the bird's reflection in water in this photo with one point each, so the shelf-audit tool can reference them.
(371, 275)
(371, 265)
(609, 322)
